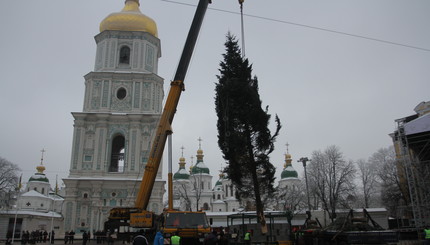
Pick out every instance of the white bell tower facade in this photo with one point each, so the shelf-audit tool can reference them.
(112, 135)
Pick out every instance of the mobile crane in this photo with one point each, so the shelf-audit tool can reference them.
(191, 226)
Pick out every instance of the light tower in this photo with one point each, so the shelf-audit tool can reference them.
(304, 160)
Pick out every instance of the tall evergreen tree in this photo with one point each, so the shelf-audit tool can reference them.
(243, 133)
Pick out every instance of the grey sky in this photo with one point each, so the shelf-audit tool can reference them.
(327, 88)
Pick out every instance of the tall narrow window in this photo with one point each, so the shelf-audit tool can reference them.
(117, 154)
(205, 206)
(124, 55)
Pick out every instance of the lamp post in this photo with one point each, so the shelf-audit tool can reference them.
(304, 160)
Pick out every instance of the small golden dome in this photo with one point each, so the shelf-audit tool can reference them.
(129, 19)
(40, 169)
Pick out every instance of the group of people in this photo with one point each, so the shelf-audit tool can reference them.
(214, 238)
(69, 237)
(98, 236)
(33, 237)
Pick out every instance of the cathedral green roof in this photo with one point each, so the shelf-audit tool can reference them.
(289, 172)
(181, 174)
(39, 177)
(200, 168)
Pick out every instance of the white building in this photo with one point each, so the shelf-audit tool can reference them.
(193, 190)
(289, 176)
(112, 135)
(38, 207)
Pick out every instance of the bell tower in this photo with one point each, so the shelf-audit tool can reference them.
(113, 133)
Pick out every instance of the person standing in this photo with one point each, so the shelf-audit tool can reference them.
(223, 240)
(52, 236)
(66, 237)
(175, 239)
(247, 237)
(84, 238)
(211, 239)
(427, 235)
(71, 236)
(159, 239)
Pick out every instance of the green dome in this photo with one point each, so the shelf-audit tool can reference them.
(200, 168)
(218, 182)
(39, 177)
(182, 173)
(289, 172)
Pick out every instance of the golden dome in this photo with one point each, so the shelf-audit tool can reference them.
(40, 169)
(129, 19)
(288, 160)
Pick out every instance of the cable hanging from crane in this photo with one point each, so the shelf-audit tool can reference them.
(242, 27)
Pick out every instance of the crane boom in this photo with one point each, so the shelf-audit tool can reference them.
(164, 125)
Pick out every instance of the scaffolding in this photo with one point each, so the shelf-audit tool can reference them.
(413, 153)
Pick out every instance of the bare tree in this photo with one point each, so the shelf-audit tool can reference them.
(9, 182)
(392, 194)
(291, 197)
(182, 189)
(9, 179)
(332, 178)
(189, 191)
(368, 181)
(291, 200)
(197, 188)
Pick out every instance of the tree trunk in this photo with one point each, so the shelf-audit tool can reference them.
(259, 204)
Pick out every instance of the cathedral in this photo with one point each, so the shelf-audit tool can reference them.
(38, 207)
(193, 191)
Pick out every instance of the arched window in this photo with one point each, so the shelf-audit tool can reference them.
(85, 195)
(219, 196)
(117, 154)
(43, 190)
(206, 206)
(124, 55)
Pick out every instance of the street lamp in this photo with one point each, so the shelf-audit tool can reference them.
(304, 160)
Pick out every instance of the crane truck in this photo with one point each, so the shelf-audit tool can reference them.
(191, 226)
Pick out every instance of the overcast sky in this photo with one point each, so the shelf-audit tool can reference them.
(328, 88)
